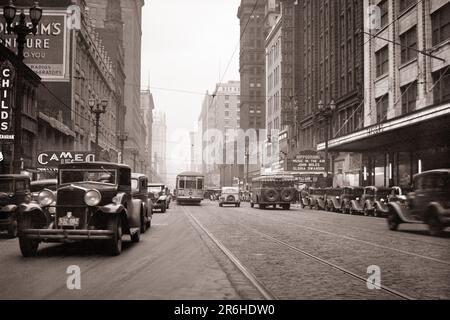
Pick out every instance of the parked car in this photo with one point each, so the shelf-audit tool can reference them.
(230, 195)
(364, 203)
(304, 198)
(37, 186)
(316, 198)
(429, 203)
(333, 199)
(14, 191)
(159, 195)
(347, 195)
(94, 201)
(273, 190)
(139, 192)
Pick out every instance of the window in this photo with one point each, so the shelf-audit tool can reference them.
(384, 13)
(405, 4)
(408, 41)
(440, 21)
(382, 60)
(227, 105)
(441, 83)
(382, 107)
(409, 97)
(227, 97)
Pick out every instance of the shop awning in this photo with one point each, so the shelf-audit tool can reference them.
(424, 127)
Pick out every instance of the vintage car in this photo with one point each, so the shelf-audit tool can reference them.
(364, 203)
(159, 195)
(230, 195)
(303, 198)
(428, 203)
(347, 195)
(139, 192)
(94, 201)
(316, 198)
(14, 191)
(333, 199)
(273, 190)
(37, 186)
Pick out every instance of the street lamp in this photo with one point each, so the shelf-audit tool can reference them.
(97, 108)
(326, 111)
(22, 30)
(123, 136)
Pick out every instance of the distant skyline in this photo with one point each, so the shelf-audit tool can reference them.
(186, 46)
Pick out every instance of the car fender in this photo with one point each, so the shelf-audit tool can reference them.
(9, 208)
(398, 210)
(434, 207)
(354, 205)
(32, 208)
(112, 208)
(368, 205)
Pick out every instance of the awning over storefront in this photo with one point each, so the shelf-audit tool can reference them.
(56, 124)
(418, 129)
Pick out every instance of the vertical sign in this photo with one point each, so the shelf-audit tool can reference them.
(6, 83)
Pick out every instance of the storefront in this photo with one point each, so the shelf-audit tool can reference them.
(393, 151)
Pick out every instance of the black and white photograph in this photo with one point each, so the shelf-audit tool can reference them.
(229, 151)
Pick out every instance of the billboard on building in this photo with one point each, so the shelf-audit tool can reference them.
(46, 53)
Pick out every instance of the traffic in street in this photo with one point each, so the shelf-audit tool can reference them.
(229, 252)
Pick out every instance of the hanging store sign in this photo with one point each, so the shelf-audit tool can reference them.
(46, 52)
(6, 83)
(52, 159)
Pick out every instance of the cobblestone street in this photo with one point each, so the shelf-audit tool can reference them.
(296, 254)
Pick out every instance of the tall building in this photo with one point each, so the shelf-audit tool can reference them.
(159, 143)
(131, 15)
(147, 107)
(74, 65)
(279, 79)
(406, 109)
(328, 67)
(251, 14)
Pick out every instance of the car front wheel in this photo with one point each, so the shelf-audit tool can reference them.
(114, 245)
(393, 220)
(28, 247)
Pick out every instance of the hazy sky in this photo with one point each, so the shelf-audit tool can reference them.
(186, 44)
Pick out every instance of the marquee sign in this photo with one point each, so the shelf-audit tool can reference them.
(308, 162)
(54, 158)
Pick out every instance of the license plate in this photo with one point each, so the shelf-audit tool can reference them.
(69, 222)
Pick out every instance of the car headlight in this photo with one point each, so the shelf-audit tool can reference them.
(46, 198)
(337, 197)
(92, 197)
(382, 200)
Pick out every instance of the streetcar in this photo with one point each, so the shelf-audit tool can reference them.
(190, 188)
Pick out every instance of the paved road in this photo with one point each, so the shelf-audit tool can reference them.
(296, 254)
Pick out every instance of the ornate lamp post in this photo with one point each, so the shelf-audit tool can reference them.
(123, 136)
(21, 30)
(326, 111)
(97, 109)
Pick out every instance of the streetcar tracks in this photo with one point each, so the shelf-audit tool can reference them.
(247, 273)
(281, 243)
(358, 240)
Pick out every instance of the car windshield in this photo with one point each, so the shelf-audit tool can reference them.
(6, 186)
(155, 189)
(230, 190)
(108, 176)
